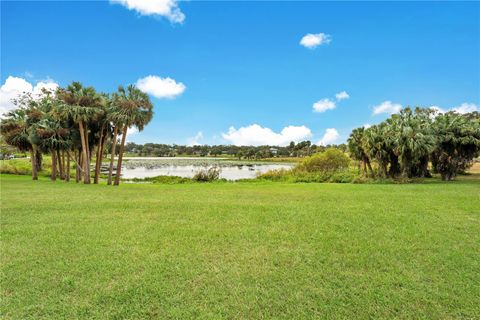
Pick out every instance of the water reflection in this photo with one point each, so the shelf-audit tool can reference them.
(233, 172)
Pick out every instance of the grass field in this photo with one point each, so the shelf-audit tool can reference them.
(257, 250)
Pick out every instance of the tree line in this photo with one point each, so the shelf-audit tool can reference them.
(406, 143)
(73, 124)
(300, 149)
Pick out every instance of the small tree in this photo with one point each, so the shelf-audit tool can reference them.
(330, 160)
(458, 143)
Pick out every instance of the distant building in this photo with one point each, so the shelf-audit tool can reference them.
(274, 151)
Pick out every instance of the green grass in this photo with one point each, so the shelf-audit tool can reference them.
(257, 250)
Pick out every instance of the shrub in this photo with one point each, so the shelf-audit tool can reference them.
(331, 160)
(163, 180)
(276, 175)
(205, 175)
(343, 176)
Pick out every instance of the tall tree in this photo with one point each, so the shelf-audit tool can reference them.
(458, 143)
(15, 132)
(413, 139)
(357, 149)
(136, 110)
(81, 104)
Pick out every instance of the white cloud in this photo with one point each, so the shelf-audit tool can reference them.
(367, 125)
(463, 108)
(161, 87)
(163, 8)
(195, 141)
(323, 105)
(331, 136)
(342, 96)
(311, 40)
(437, 109)
(466, 108)
(387, 107)
(256, 135)
(131, 132)
(14, 86)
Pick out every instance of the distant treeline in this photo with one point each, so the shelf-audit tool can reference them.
(301, 149)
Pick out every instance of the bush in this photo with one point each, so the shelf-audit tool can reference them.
(206, 175)
(16, 166)
(344, 176)
(163, 180)
(276, 175)
(331, 160)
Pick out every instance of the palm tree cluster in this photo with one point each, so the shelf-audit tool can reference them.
(406, 143)
(74, 123)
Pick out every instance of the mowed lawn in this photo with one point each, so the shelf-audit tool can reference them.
(240, 250)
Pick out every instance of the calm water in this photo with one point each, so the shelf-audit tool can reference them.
(229, 172)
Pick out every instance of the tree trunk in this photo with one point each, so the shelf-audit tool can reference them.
(86, 164)
(64, 165)
(33, 159)
(39, 159)
(102, 148)
(112, 159)
(98, 160)
(89, 152)
(120, 156)
(78, 167)
(369, 165)
(53, 176)
(60, 165)
(394, 166)
(67, 178)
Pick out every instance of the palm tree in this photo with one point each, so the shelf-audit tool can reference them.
(135, 110)
(114, 118)
(81, 104)
(102, 127)
(413, 139)
(377, 147)
(458, 142)
(15, 131)
(356, 147)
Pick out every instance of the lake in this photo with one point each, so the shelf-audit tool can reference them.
(187, 167)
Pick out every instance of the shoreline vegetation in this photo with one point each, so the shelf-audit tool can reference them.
(22, 166)
(78, 129)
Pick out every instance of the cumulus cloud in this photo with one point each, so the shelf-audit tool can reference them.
(14, 86)
(195, 141)
(437, 109)
(465, 107)
(131, 132)
(161, 87)
(312, 41)
(161, 8)
(342, 96)
(387, 107)
(330, 136)
(367, 125)
(257, 135)
(324, 105)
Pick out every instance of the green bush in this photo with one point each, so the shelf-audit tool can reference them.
(206, 175)
(163, 179)
(331, 160)
(16, 166)
(344, 176)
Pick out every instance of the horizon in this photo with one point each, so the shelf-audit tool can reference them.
(302, 74)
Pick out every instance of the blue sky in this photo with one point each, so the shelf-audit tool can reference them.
(241, 63)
